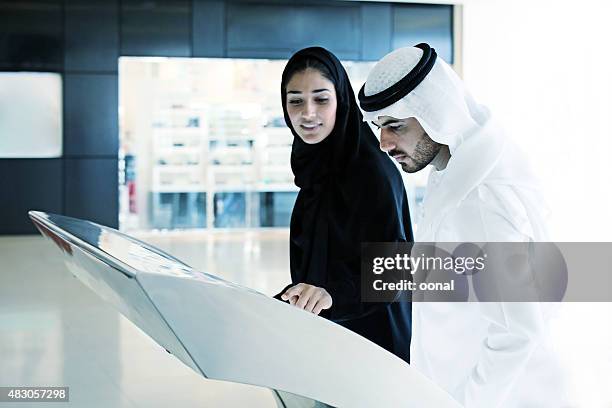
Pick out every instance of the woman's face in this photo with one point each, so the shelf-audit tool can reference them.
(311, 105)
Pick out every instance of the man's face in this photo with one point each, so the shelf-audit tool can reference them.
(406, 141)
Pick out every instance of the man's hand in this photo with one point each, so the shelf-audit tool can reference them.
(308, 297)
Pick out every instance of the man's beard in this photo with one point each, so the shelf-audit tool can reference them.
(424, 153)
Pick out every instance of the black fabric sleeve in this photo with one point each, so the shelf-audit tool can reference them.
(344, 288)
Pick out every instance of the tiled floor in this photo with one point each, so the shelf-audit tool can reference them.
(56, 332)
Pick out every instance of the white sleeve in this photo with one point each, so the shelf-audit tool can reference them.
(513, 333)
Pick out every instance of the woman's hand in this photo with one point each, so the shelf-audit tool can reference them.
(308, 297)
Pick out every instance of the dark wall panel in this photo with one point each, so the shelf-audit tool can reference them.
(278, 30)
(91, 190)
(375, 31)
(208, 28)
(156, 28)
(91, 35)
(31, 35)
(91, 115)
(28, 184)
(416, 23)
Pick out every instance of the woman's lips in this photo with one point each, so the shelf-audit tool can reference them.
(310, 127)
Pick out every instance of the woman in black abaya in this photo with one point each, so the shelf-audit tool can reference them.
(350, 192)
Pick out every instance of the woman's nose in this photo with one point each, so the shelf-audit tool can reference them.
(387, 142)
(309, 111)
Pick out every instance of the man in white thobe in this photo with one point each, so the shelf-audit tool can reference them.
(481, 189)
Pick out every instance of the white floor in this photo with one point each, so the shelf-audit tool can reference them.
(55, 332)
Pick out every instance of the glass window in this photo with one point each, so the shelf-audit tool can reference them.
(203, 143)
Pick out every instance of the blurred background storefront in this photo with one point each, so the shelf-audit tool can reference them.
(204, 143)
(173, 106)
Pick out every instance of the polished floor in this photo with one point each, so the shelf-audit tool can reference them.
(55, 332)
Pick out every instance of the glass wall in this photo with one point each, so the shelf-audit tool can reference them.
(204, 143)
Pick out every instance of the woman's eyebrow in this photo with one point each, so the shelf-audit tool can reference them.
(314, 91)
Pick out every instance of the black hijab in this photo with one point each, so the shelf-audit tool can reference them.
(350, 192)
